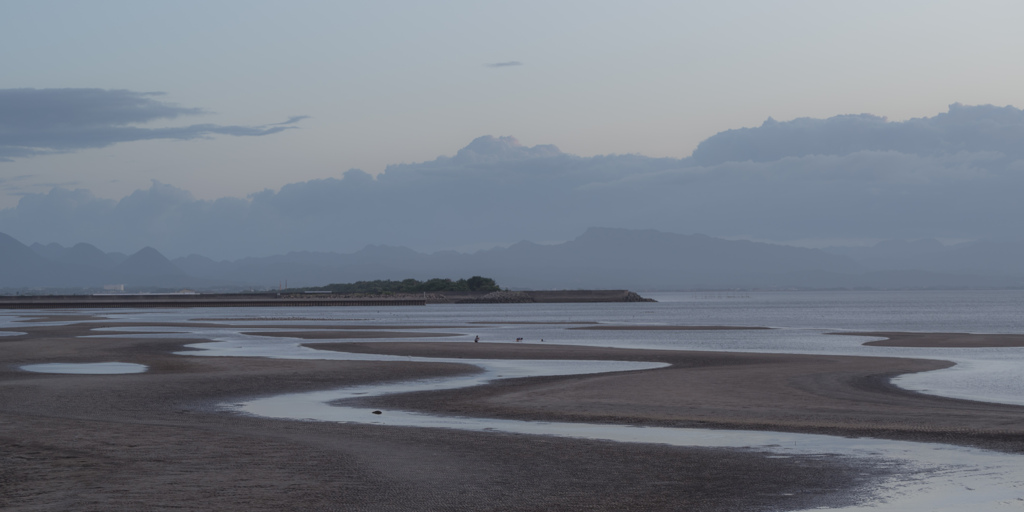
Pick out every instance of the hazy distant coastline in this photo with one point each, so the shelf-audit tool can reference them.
(600, 258)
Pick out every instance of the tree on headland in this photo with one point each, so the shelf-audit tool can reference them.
(482, 284)
(383, 287)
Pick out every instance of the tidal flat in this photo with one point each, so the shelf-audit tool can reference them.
(732, 429)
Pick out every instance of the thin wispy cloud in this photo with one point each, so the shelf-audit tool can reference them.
(507, 64)
(46, 121)
(291, 120)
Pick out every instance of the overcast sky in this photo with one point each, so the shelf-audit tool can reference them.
(391, 82)
(227, 127)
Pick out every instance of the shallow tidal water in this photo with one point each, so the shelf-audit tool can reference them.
(940, 477)
(937, 477)
(107, 368)
(800, 322)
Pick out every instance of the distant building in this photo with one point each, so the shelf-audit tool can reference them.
(113, 287)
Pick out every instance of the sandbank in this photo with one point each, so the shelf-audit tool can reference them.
(668, 328)
(157, 440)
(349, 334)
(838, 395)
(940, 339)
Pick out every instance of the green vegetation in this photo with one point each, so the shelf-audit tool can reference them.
(473, 284)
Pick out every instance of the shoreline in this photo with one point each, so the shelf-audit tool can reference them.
(832, 395)
(156, 439)
(274, 299)
(938, 339)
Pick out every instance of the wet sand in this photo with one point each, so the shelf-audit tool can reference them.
(668, 328)
(156, 441)
(349, 334)
(940, 339)
(836, 395)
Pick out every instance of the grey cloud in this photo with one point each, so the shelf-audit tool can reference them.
(15, 179)
(962, 128)
(44, 121)
(495, 191)
(504, 64)
(859, 195)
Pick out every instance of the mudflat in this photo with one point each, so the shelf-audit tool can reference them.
(940, 339)
(667, 328)
(837, 395)
(158, 440)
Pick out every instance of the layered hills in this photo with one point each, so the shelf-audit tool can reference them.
(599, 258)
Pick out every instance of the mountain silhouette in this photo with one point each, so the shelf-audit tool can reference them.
(600, 258)
(20, 266)
(149, 266)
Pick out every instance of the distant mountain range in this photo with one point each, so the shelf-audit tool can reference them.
(85, 266)
(599, 258)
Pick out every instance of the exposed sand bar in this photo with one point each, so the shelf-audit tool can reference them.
(940, 339)
(667, 328)
(839, 395)
(349, 334)
(495, 322)
(154, 440)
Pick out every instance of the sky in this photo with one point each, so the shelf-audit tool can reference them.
(225, 99)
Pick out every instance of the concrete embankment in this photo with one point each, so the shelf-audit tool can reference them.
(542, 296)
(195, 301)
(200, 300)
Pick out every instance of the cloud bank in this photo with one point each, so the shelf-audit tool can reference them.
(44, 121)
(955, 175)
(974, 129)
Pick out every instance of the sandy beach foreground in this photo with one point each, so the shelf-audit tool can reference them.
(156, 440)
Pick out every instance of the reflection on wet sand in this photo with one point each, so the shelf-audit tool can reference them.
(107, 368)
(934, 480)
(139, 417)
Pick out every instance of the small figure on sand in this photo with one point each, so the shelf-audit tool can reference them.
(518, 340)
(476, 340)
